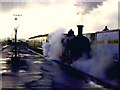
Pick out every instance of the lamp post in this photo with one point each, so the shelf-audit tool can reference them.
(16, 42)
(16, 61)
(16, 34)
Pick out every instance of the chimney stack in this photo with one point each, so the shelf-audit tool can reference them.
(80, 29)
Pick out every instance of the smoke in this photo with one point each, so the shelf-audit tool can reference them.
(96, 66)
(54, 48)
(46, 46)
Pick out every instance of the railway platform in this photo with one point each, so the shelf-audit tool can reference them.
(42, 73)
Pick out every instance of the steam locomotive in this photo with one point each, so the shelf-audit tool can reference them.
(106, 37)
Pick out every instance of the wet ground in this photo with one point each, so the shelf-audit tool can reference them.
(39, 73)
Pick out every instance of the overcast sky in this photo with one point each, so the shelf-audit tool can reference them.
(45, 16)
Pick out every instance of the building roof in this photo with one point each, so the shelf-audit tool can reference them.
(38, 36)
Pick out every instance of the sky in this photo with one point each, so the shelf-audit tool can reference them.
(45, 16)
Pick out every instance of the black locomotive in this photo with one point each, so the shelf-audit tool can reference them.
(76, 46)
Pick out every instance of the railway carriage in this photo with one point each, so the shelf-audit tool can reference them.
(109, 39)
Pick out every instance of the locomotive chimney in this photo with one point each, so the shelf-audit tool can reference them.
(80, 29)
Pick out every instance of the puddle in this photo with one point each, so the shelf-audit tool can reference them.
(37, 62)
(22, 71)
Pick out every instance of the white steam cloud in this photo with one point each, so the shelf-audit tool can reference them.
(54, 47)
(96, 66)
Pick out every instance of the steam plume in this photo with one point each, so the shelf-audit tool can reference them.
(54, 48)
